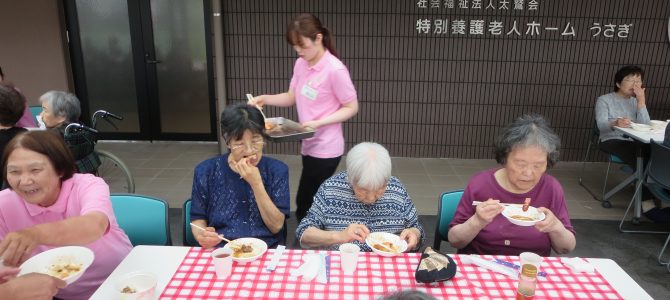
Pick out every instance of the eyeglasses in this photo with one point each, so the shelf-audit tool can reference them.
(633, 81)
(255, 145)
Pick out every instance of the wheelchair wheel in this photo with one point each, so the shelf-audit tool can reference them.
(115, 173)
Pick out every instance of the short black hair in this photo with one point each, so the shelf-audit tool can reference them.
(2, 75)
(528, 130)
(625, 71)
(12, 105)
(238, 118)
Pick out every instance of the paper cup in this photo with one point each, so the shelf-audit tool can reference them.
(530, 258)
(349, 258)
(223, 262)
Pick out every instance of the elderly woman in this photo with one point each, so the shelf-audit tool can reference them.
(363, 199)
(59, 109)
(242, 193)
(48, 206)
(625, 105)
(525, 149)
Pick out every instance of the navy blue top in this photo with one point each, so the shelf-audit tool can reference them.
(227, 201)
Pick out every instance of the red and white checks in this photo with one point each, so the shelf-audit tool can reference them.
(375, 276)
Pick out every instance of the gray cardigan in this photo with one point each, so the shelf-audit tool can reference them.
(611, 106)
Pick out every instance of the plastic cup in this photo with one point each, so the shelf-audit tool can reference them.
(223, 262)
(530, 258)
(349, 258)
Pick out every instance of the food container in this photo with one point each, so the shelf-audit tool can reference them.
(516, 215)
(136, 286)
(259, 247)
(80, 258)
(284, 130)
(384, 237)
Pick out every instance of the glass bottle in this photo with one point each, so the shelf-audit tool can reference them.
(527, 281)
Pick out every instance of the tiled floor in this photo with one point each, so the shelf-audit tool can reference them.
(165, 170)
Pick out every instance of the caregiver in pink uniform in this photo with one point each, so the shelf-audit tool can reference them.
(324, 95)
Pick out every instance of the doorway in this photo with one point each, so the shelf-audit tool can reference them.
(148, 61)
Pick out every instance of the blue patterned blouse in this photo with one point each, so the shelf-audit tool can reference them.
(227, 201)
(335, 207)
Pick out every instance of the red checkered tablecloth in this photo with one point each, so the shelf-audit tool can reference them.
(375, 276)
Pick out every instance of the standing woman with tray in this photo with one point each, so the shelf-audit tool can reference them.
(322, 90)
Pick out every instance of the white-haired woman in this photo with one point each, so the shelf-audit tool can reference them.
(365, 198)
(59, 109)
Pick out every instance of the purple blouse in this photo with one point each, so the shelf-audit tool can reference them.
(500, 236)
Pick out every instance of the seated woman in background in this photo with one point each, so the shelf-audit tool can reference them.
(363, 199)
(525, 149)
(241, 193)
(625, 105)
(11, 110)
(59, 109)
(48, 205)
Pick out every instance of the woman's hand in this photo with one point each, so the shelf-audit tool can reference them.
(550, 222)
(18, 246)
(257, 101)
(622, 122)
(411, 236)
(314, 124)
(486, 211)
(638, 90)
(7, 273)
(353, 232)
(32, 286)
(247, 171)
(208, 238)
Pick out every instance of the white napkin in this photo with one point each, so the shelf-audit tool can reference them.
(312, 266)
(577, 264)
(489, 265)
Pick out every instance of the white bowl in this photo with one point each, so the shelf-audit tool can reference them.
(380, 237)
(640, 127)
(511, 211)
(45, 261)
(656, 124)
(141, 284)
(260, 247)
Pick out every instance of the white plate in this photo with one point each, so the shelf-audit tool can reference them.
(517, 210)
(42, 263)
(640, 127)
(380, 237)
(260, 247)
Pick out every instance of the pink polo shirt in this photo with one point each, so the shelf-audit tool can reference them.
(79, 195)
(320, 91)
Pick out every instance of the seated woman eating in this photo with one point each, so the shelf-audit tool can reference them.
(525, 149)
(363, 199)
(241, 193)
(48, 205)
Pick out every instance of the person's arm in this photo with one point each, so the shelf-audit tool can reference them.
(207, 238)
(462, 234)
(31, 286)
(413, 233)
(283, 99)
(18, 246)
(271, 215)
(603, 120)
(345, 112)
(315, 237)
(562, 240)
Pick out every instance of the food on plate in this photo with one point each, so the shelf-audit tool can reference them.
(386, 246)
(63, 270)
(243, 250)
(128, 290)
(526, 204)
(270, 126)
(522, 218)
(434, 261)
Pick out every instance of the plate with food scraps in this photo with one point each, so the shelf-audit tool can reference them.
(246, 249)
(386, 244)
(516, 215)
(284, 130)
(67, 263)
(640, 127)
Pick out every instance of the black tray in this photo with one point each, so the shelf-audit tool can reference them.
(286, 130)
(435, 276)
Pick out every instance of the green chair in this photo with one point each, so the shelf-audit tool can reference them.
(35, 110)
(143, 218)
(446, 208)
(189, 239)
